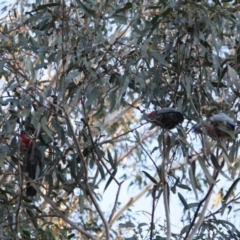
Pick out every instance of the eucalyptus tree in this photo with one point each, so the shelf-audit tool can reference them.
(84, 80)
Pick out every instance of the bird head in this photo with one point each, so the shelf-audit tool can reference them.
(152, 115)
(25, 141)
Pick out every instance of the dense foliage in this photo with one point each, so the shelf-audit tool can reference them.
(81, 77)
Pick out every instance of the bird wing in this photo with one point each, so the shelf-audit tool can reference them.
(225, 119)
(32, 162)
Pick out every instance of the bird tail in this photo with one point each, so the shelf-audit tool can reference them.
(33, 168)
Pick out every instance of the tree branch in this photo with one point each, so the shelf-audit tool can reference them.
(206, 199)
(165, 190)
(152, 226)
(86, 176)
(61, 215)
(130, 202)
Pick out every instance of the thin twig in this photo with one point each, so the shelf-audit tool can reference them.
(152, 225)
(27, 220)
(63, 216)
(193, 229)
(135, 146)
(20, 194)
(120, 135)
(129, 203)
(234, 200)
(189, 235)
(165, 190)
(86, 176)
(115, 203)
(147, 154)
(110, 47)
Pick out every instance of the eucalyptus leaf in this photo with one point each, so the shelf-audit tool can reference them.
(150, 177)
(182, 199)
(205, 170)
(230, 190)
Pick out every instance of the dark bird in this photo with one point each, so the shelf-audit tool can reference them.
(218, 126)
(166, 118)
(32, 160)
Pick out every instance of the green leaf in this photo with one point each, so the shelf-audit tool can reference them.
(205, 170)
(232, 73)
(110, 179)
(155, 54)
(142, 225)
(112, 99)
(32, 218)
(126, 7)
(2, 157)
(184, 186)
(45, 6)
(121, 19)
(60, 177)
(100, 169)
(182, 199)
(73, 167)
(230, 190)
(25, 112)
(128, 224)
(150, 177)
(137, 135)
(89, 11)
(81, 203)
(217, 166)
(36, 116)
(193, 205)
(192, 178)
(2, 63)
(110, 159)
(30, 68)
(45, 128)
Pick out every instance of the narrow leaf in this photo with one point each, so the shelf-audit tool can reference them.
(2, 157)
(184, 186)
(128, 224)
(232, 73)
(45, 128)
(60, 177)
(150, 177)
(182, 199)
(205, 170)
(193, 178)
(100, 168)
(155, 54)
(32, 217)
(110, 159)
(137, 135)
(89, 11)
(126, 6)
(230, 190)
(81, 203)
(45, 6)
(110, 179)
(217, 166)
(193, 205)
(73, 167)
